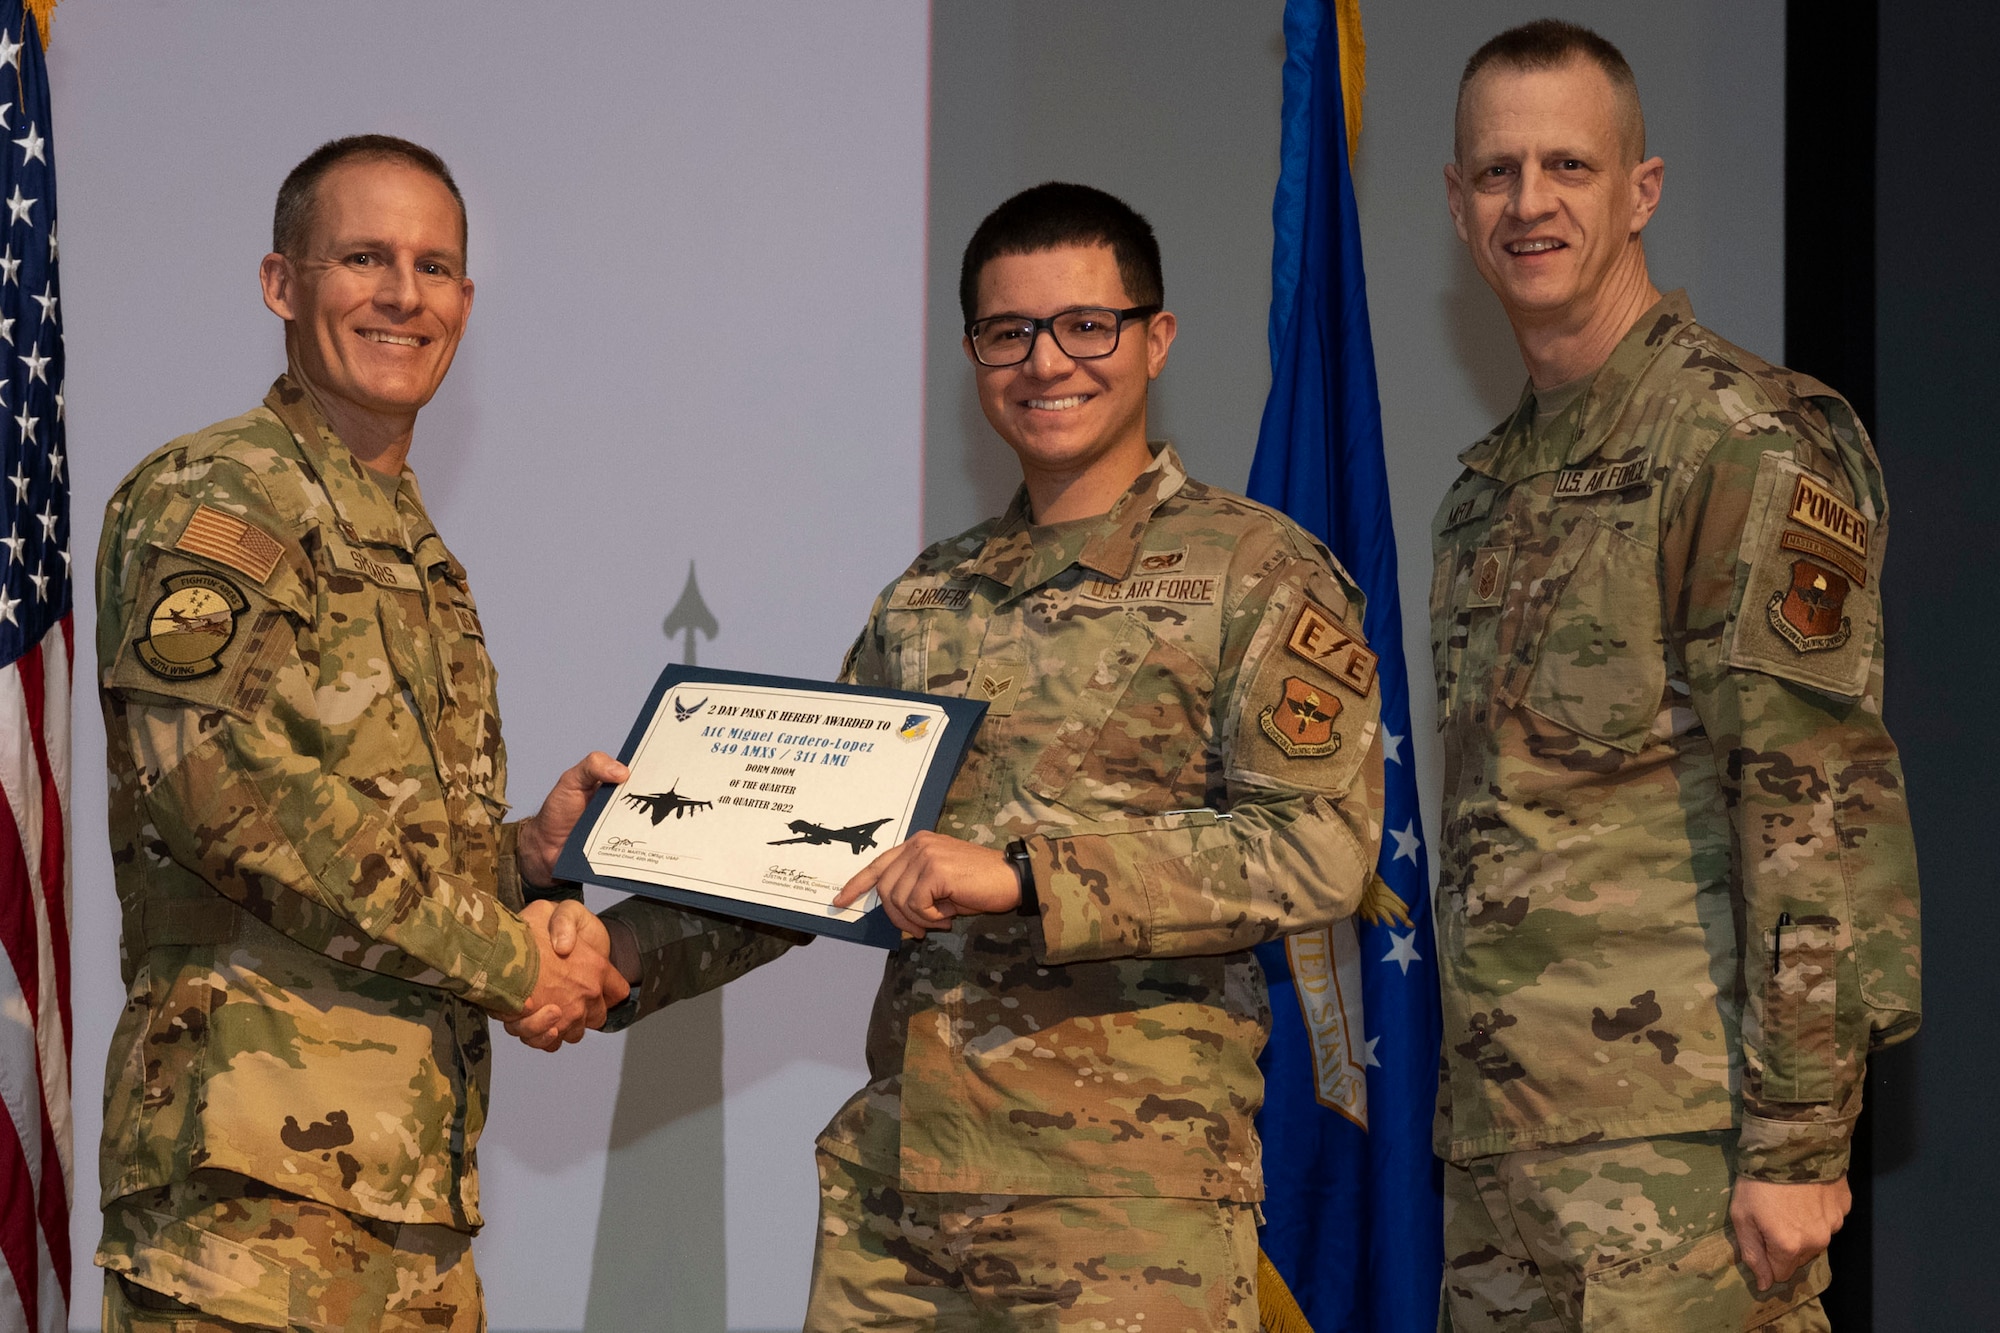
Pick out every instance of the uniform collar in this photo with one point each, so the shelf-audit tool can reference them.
(360, 508)
(1511, 451)
(1108, 547)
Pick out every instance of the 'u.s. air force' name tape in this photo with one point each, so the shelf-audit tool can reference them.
(1577, 482)
(1179, 589)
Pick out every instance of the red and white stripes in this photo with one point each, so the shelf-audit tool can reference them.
(36, 1169)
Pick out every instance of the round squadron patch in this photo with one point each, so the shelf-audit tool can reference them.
(190, 625)
(1301, 723)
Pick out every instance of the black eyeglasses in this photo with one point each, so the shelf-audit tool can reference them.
(1083, 333)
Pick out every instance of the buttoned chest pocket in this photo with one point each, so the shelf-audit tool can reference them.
(1129, 728)
(1596, 663)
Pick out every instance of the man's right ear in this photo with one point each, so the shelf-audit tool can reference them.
(1454, 198)
(275, 276)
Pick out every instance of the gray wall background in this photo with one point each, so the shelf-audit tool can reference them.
(1175, 108)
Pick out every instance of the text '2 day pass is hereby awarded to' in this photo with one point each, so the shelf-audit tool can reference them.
(760, 796)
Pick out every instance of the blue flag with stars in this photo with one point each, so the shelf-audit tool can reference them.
(1353, 1204)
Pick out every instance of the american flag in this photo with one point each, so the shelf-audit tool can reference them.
(36, 641)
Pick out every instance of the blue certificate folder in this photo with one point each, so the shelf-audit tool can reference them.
(750, 793)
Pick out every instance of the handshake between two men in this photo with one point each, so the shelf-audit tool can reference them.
(589, 965)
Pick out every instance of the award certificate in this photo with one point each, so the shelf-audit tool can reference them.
(760, 796)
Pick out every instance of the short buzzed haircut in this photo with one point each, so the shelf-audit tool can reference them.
(291, 224)
(1055, 214)
(1551, 44)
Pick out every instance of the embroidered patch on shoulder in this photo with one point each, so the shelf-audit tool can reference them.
(1301, 722)
(1807, 543)
(190, 625)
(231, 541)
(1808, 614)
(1816, 507)
(1318, 638)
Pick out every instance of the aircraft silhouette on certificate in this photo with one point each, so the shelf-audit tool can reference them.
(669, 802)
(857, 836)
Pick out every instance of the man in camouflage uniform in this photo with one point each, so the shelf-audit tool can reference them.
(1179, 761)
(320, 900)
(1677, 902)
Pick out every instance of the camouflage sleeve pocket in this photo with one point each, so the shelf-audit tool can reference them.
(1807, 583)
(1799, 1006)
(195, 634)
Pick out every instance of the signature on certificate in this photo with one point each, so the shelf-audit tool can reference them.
(797, 881)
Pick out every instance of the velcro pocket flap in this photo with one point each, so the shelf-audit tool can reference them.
(1799, 1008)
(1600, 667)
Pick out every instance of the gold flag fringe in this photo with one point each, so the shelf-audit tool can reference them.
(1353, 68)
(44, 11)
(1277, 1309)
(1381, 904)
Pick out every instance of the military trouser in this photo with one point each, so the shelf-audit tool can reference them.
(221, 1252)
(1626, 1237)
(890, 1260)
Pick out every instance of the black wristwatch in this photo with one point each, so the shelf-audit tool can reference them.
(1024, 874)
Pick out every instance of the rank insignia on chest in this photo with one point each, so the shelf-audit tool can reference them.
(189, 626)
(1807, 614)
(1489, 575)
(996, 687)
(1301, 722)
